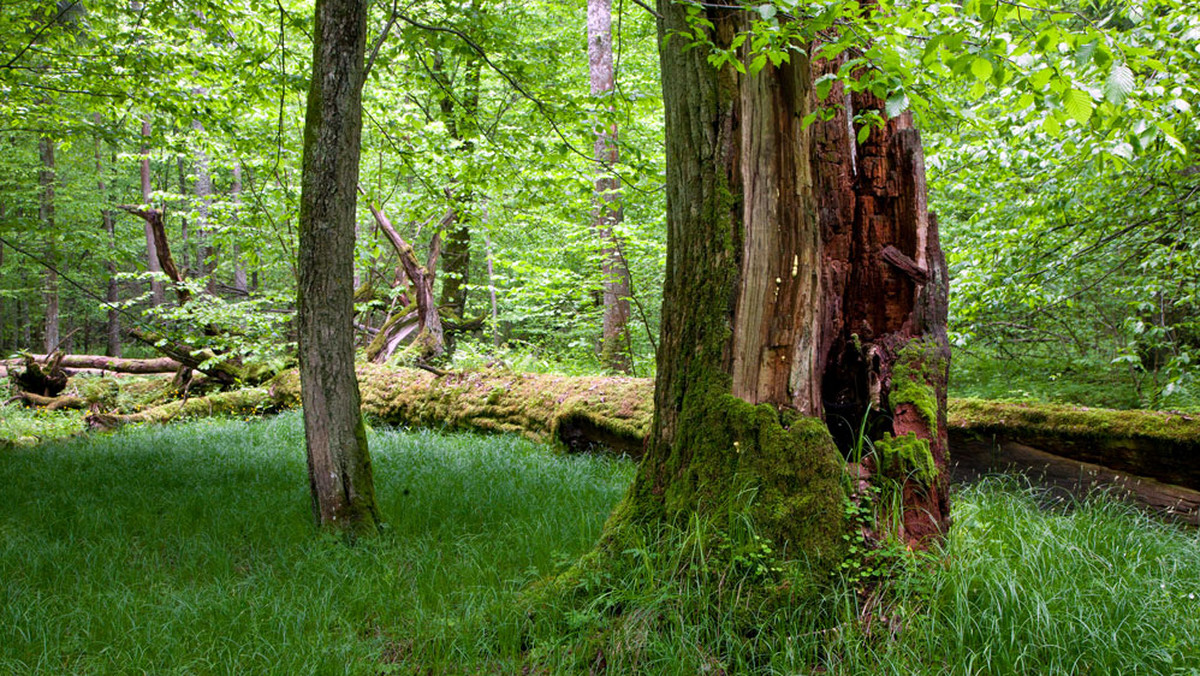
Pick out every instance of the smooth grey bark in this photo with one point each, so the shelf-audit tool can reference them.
(112, 328)
(339, 462)
(614, 339)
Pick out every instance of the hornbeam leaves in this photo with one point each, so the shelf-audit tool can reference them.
(1078, 105)
(1118, 85)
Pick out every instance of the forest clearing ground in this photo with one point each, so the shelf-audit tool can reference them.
(188, 548)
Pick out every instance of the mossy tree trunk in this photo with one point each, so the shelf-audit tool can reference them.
(801, 270)
(339, 464)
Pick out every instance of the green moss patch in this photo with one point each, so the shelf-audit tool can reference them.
(1071, 422)
(917, 367)
(906, 456)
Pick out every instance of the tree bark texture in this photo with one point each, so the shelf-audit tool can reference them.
(46, 181)
(339, 463)
(203, 189)
(803, 282)
(614, 338)
(113, 364)
(240, 283)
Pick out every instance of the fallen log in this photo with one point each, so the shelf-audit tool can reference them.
(974, 458)
(98, 363)
(585, 413)
(1159, 445)
(252, 400)
(579, 412)
(51, 403)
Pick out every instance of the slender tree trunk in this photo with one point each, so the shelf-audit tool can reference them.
(157, 295)
(803, 275)
(339, 463)
(4, 314)
(112, 329)
(456, 244)
(46, 181)
(614, 340)
(239, 266)
(203, 188)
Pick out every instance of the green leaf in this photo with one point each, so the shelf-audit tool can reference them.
(863, 132)
(824, 85)
(1078, 105)
(897, 103)
(767, 11)
(758, 63)
(1051, 126)
(1118, 85)
(981, 68)
(808, 120)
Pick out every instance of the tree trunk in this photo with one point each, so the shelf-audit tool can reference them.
(339, 463)
(239, 266)
(203, 188)
(157, 229)
(615, 343)
(800, 270)
(112, 329)
(157, 295)
(456, 243)
(46, 182)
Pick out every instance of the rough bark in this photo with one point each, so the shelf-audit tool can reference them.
(614, 338)
(203, 189)
(46, 181)
(157, 295)
(339, 463)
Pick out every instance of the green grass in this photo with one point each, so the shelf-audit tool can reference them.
(189, 549)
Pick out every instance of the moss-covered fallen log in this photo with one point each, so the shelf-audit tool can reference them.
(249, 401)
(577, 411)
(1160, 445)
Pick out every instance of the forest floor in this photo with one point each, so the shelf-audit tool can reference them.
(188, 548)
